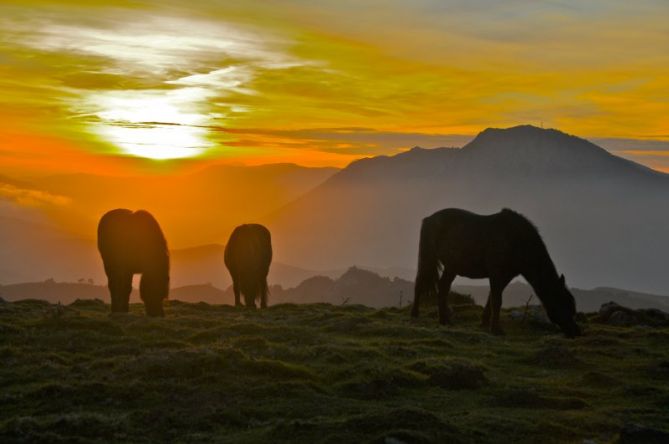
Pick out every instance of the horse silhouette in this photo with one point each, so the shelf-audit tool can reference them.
(132, 243)
(500, 247)
(248, 255)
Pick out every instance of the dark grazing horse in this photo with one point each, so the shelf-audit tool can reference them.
(132, 243)
(500, 247)
(248, 255)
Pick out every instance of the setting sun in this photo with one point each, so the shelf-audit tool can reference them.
(153, 124)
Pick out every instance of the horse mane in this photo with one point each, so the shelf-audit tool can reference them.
(525, 231)
(521, 220)
(539, 267)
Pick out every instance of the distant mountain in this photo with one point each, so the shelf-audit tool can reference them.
(603, 218)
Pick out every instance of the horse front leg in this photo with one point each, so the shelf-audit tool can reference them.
(497, 286)
(414, 307)
(235, 289)
(444, 288)
(263, 295)
(485, 318)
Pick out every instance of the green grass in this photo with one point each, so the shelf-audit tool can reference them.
(318, 373)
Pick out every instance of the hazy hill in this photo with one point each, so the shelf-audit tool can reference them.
(204, 264)
(33, 248)
(193, 208)
(604, 218)
(518, 293)
(53, 235)
(354, 286)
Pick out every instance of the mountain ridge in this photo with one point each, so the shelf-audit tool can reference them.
(583, 199)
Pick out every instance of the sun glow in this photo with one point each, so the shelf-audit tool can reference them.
(182, 71)
(153, 124)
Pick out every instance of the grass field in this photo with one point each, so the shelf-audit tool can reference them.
(318, 373)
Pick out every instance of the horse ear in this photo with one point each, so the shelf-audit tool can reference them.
(562, 279)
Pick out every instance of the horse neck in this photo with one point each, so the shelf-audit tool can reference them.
(541, 274)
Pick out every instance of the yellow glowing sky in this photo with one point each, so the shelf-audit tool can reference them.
(102, 86)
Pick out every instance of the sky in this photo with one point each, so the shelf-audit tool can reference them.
(132, 87)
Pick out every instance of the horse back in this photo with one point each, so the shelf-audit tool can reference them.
(249, 249)
(472, 245)
(132, 239)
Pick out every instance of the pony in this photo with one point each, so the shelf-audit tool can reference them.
(132, 242)
(248, 255)
(499, 247)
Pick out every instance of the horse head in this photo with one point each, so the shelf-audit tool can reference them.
(561, 309)
(153, 289)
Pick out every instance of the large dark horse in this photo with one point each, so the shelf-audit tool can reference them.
(500, 247)
(248, 255)
(132, 243)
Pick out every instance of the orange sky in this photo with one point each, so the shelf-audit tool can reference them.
(99, 86)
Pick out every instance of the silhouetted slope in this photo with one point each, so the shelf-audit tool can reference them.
(192, 208)
(603, 217)
(355, 286)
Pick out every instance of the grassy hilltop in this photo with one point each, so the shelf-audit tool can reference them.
(319, 373)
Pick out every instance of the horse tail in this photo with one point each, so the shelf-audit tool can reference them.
(427, 277)
(249, 286)
(254, 287)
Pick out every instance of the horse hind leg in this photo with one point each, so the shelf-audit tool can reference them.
(120, 287)
(444, 288)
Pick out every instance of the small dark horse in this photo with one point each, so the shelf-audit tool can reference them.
(248, 255)
(500, 247)
(132, 243)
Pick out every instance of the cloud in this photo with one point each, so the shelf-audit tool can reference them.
(156, 79)
(31, 197)
(344, 141)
